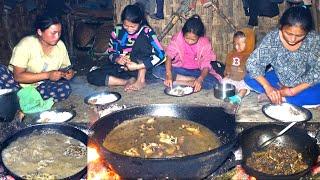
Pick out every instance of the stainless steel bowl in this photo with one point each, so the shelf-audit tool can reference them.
(224, 90)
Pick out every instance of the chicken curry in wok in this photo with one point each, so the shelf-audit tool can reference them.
(160, 137)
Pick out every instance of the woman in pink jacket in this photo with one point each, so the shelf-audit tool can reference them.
(189, 55)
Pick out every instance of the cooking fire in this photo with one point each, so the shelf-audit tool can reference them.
(97, 166)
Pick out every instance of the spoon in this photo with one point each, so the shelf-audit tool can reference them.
(269, 141)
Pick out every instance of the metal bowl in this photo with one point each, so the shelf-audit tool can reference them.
(224, 90)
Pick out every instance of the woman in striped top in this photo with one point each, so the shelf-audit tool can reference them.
(133, 50)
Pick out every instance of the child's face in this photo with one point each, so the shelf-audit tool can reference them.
(130, 27)
(239, 44)
(191, 38)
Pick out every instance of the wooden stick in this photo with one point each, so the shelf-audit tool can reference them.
(215, 7)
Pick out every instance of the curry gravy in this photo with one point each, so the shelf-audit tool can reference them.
(160, 137)
(45, 155)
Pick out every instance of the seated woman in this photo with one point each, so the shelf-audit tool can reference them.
(133, 49)
(293, 51)
(36, 61)
(189, 55)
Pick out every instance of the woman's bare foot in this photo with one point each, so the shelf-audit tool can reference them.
(136, 86)
(129, 82)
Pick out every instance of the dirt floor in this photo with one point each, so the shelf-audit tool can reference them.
(153, 93)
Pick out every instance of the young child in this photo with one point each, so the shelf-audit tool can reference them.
(243, 42)
(189, 55)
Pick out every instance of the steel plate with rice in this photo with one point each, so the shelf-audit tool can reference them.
(55, 116)
(286, 112)
(102, 98)
(178, 90)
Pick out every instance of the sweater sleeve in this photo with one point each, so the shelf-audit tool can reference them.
(172, 48)
(157, 55)
(114, 48)
(207, 53)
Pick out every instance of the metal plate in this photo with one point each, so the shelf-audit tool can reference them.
(299, 114)
(40, 120)
(93, 98)
(178, 91)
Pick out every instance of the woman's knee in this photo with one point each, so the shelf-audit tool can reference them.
(209, 82)
(97, 77)
(159, 72)
(253, 84)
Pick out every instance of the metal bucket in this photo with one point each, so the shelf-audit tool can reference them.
(224, 90)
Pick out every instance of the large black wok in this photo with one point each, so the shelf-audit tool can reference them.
(59, 128)
(295, 138)
(188, 167)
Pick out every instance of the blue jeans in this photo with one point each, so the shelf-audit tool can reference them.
(309, 96)
(208, 83)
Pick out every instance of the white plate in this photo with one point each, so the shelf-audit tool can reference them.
(55, 116)
(178, 91)
(286, 112)
(102, 98)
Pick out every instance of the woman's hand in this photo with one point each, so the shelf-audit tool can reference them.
(168, 81)
(197, 85)
(55, 75)
(287, 91)
(69, 74)
(122, 60)
(274, 95)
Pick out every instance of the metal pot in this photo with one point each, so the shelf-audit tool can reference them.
(188, 167)
(224, 90)
(10, 105)
(59, 128)
(294, 138)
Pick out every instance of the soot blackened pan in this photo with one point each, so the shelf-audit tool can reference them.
(188, 167)
(294, 138)
(59, 128)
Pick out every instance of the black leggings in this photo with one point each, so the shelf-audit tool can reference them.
(100, 76)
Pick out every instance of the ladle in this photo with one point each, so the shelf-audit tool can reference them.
(269, 141)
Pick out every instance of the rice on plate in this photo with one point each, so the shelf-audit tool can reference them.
(285, 112)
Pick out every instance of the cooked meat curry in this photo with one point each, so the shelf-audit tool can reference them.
(160, 137)
(45, 155)
(277, 160)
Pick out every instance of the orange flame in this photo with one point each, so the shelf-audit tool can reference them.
(97, 167)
